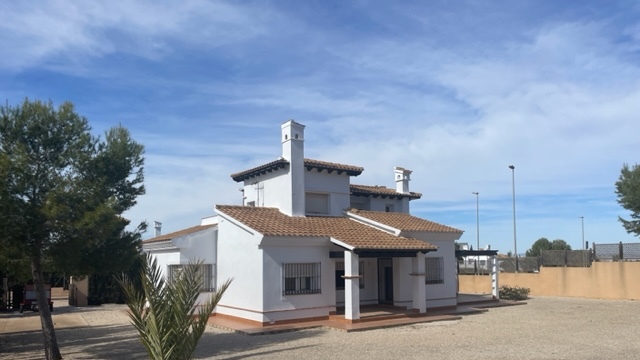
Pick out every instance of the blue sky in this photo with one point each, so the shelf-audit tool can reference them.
(455, 91)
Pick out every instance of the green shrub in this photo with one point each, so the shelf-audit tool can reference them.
(514, 292)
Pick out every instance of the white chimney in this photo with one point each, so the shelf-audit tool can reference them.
(158, 226)
(402, 177)
(293, 151)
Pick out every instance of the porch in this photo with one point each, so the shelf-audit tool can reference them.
(371, 317)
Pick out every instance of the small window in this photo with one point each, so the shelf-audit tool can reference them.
(208, 275)
(317, 204)
(340, 274)
(301, 278)
(389, 208)
(434, 268)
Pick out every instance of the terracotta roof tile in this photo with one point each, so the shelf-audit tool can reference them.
(271, 222)
(351, 170)
(383, 191)
(403, 221)
(178, 233)
(310, 164)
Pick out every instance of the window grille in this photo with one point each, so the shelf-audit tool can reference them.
(340, 274)
(301, 278)
(434, 268)
(208, 275)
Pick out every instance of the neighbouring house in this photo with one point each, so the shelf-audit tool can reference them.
(306, 241)
(474, 264)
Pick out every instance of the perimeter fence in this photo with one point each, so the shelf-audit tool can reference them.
(616, 252)
(549, 258)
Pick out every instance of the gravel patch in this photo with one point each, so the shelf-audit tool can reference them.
(545, 328)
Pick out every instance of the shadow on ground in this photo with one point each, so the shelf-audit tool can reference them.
(103, 342)
(121, 342)
(232, 345)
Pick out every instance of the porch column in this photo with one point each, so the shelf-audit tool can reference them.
(351, 286)
(419, 287)
(495, 288)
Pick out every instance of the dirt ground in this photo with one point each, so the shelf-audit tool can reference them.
(545, 328)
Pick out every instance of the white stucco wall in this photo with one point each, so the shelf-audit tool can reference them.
(439, 295)
(369, 294)
(266, 190)
(165, 258)
(276, 251)
(199, 246)
(399, 205)
(240, 258)
(337, 186)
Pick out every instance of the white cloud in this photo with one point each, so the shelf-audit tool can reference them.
(56, 33)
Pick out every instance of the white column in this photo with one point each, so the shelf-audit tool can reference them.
(351, 286)
(495, 291)
(419, 287)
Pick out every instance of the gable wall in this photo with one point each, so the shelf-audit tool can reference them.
(269, 190)
(240, 258)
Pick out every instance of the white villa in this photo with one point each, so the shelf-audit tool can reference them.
(307, 242)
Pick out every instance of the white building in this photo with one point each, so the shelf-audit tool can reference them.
(306, 241)
(474, 263)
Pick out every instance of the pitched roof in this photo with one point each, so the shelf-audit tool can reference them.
(403, 221)
(271, 222)
(310, 164)
(351, 170)
(178, 233)
(382, 191)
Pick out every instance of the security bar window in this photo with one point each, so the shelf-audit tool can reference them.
(434, 268)
(301, 278)
(208, 275)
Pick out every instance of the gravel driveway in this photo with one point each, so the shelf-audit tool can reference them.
(545, 328)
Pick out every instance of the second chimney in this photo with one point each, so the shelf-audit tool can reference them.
(402, 178)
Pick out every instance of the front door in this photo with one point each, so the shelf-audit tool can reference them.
(385, 281)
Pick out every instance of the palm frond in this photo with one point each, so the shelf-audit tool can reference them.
(165, 313)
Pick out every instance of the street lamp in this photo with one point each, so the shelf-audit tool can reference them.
(477, 194)
(584, 252)
(582, 222)
(513, 188)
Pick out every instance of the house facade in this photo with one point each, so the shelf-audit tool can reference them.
(306, 242)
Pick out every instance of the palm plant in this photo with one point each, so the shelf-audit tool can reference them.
(165, 313)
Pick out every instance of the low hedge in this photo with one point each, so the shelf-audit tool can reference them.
(514, 292)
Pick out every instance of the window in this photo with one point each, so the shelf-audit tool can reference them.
(317, 204)
(389, 208)
(208, 279)
(303, 278)
(434, 267)
(340, 274)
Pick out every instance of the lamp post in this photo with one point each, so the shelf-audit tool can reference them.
(477, 194)
(582, 223)
(584, 252)
(513, 189)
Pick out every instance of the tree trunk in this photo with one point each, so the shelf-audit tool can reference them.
(51, 349)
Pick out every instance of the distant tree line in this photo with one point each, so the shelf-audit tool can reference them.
(544, 244)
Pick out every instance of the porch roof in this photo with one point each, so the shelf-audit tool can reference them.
(348, 233)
